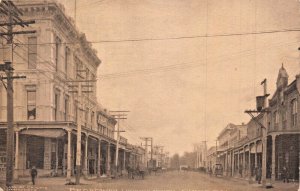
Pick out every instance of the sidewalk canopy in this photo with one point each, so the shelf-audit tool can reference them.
(258, 148)
(50, 133)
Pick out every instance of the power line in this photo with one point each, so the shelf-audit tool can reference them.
(169, 67)
(177, 38)
(163, 68)
(187, 65)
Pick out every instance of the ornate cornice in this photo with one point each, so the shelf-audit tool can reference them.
(55, 12)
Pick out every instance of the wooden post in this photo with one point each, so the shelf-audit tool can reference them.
(16, 174)
(99, 158)
(69, 157)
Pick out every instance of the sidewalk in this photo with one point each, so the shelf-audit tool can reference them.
(278, 184)
(54, 181)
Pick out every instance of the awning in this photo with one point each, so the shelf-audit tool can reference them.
(50, 133)
(258, 148)
(246, 149)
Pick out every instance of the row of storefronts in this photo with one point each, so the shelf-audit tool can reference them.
(52, 151)
(270, 141)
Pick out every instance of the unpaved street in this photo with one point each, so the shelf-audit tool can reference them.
(183, 181)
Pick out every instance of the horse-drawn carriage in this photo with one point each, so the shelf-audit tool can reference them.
(136, 172)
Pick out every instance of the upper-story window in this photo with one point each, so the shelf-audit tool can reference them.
(76, 111)
(56, 106)
(67, 59)
(57, 52)
(86, 116)
(31, 104)
(276, 118)
(79, 69)
(92, 118)
(32, 52)
(284, 119)
(66, 110)
(294, 112)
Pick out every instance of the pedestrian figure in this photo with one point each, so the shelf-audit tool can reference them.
(255, 173)
(285, 174)
(33, 174)
(241, 170)
(258, 175)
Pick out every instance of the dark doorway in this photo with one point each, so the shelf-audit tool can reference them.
(35, 152)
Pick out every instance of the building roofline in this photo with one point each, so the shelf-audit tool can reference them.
(84, 44)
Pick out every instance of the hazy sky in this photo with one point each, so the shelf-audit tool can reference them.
(186, 90)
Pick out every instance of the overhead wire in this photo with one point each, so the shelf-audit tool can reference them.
(183, 66)
(178, 38)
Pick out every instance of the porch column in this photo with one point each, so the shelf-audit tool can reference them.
(232, 162)
(226, 165)
(56, 157)
(85, 171)
(108, 160)
(244, 162)
(69, 157)
(273, 157)
(238, 161)
(99, 158)
(249, 162)
(16, 176)
(124, 160)
(255, 155)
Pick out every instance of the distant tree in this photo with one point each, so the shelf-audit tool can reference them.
(188, 158)
(175, 161)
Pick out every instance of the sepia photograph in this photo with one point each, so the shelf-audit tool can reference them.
(149, 95)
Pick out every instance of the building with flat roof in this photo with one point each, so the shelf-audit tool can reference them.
(57, 96)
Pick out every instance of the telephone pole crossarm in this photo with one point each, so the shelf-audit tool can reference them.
(250, 112)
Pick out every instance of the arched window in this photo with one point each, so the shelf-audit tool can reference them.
(294, 112)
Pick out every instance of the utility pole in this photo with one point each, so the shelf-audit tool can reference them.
(161, 155)
(8, 8)
(119, 115)
(159, 149)
(146, 139)
(151, 157)
(79, 91)
(146, 150)
(264, 137)
(205, 153)
(261, 107)
(78, 140)
(216, 151)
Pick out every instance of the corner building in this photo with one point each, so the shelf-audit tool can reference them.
(283, 139)
(47, 105)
